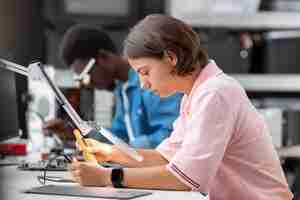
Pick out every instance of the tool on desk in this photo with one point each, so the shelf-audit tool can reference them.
(36, 71)
(57, 164)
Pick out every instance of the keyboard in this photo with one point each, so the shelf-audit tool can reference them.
(55, 165)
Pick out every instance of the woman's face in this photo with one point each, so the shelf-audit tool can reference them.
(155, 74)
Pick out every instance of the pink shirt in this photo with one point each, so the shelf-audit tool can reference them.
(221, 145)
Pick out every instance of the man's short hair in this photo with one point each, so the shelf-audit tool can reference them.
(84, 42)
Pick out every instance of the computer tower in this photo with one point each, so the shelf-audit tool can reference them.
(227, 49)
(280, 52)
(280, 5)
(291, 127)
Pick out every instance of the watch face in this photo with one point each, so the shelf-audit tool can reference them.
(117, 177)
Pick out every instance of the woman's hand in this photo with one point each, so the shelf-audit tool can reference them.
(90, 174)
(95, 151)
(102, 152)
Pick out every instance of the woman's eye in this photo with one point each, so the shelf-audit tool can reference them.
(144, 73)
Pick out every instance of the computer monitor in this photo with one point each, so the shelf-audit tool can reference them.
(8, 106)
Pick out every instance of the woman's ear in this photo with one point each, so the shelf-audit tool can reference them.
(171, 57)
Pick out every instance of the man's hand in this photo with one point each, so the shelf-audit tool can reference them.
(90, 174)
(59, 127)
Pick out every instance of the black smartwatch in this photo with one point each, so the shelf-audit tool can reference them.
(117, 175)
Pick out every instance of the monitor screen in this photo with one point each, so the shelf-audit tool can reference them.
(8, 106)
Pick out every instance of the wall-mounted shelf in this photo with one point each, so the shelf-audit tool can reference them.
(269, 82)
(258, 21)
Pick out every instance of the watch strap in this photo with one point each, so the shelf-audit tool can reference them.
(117, 175)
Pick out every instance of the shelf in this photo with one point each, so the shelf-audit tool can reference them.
(269, 82)
(258, 21)
(251, 82)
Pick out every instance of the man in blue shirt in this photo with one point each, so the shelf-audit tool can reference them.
(141, 118)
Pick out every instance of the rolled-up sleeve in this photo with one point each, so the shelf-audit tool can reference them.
(208, 129)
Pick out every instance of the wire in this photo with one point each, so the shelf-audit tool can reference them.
(42, 179)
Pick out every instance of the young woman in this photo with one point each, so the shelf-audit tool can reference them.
(220, 144)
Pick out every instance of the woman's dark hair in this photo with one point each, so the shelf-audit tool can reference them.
(156, 34)
(84, 42)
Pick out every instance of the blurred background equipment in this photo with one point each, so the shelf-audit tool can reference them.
(10, 143)
(280, 52)
(218, 41)
(280, 5)
(9, 112)
(42, 100)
